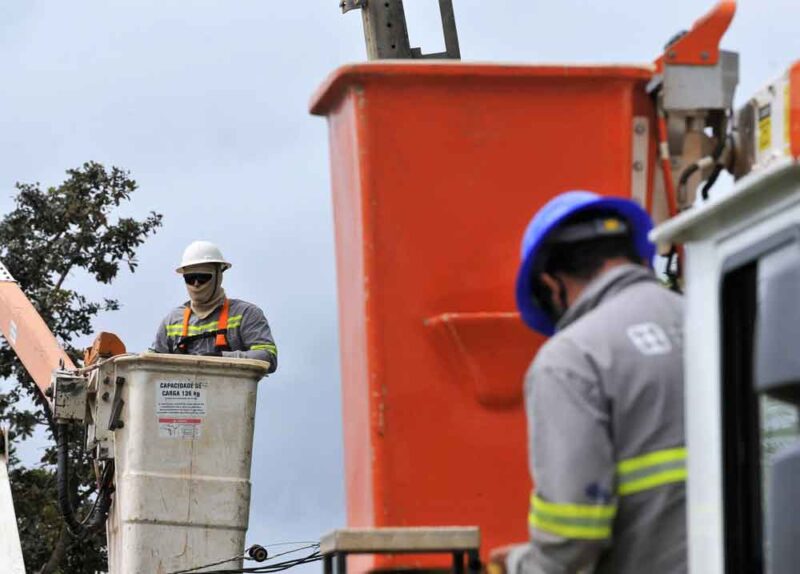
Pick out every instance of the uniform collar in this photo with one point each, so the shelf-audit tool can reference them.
(604, 287)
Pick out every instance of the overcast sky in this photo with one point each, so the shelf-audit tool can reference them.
(205, 102)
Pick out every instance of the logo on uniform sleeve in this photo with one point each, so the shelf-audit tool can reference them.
(649, 339)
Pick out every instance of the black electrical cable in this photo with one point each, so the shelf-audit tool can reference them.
(684, 179)
(277, 567)
(62, 483)
(273, 567)
(718, 167)
(712, 180)
(97, 515)
(673, 277)
(99, 511)
(196, 568)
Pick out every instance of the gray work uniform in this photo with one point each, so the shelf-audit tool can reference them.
(248, 333)
(604, 400)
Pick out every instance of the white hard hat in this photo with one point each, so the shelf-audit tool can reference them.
(200, 252)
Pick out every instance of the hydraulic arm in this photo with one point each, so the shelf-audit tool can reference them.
(28, 335)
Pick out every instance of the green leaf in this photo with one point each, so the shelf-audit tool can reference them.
(49, 235)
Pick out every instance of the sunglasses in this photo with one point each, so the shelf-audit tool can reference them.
(197, 278)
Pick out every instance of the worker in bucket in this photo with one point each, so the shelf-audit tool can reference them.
(210, 323)
(604, 396)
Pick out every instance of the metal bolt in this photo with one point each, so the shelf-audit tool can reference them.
(105, 396)
(638, 166)
(639, 129)
(704, 55)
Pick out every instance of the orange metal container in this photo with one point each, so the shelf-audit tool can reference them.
(436, 170)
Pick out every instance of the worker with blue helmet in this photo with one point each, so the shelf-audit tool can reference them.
(603, 396)
(625, 218)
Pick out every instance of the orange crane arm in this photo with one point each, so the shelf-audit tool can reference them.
(700, 45)
(28, 334)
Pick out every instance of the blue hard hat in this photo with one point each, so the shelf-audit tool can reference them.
(547, 219)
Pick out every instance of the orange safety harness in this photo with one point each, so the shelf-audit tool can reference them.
(220, 340)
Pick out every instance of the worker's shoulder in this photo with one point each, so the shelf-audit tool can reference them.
(559, 352)
(240, 307)
(647, 301)
(598, 334)
(176, 313)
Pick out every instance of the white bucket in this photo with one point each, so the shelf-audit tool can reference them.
(182, 461)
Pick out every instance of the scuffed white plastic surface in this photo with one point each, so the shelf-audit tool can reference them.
(182, 462)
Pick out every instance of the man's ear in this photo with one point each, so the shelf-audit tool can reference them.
(550, 282)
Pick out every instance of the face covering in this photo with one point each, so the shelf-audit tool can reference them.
(205, 298)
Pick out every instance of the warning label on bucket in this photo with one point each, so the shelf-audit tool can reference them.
(180, 408)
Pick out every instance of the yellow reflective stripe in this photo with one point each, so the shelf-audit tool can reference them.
(193, 328)
(584, 521)
(177, 328)
(570, 530)
(264, 347)
(651, 470)
(593, 511)
(652, 481)
(651, 459)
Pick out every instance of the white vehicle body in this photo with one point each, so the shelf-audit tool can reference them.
(739, 512)
(10, 547)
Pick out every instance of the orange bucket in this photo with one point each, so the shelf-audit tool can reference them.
(436, 169)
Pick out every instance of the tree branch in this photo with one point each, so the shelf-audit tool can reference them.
(63, 276)
(57, 555)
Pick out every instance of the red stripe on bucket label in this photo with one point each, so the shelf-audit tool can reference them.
(181, 421)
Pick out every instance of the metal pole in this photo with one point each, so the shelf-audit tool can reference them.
(450, 30)
(385, 30)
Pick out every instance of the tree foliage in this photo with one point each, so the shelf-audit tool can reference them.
(50, 236)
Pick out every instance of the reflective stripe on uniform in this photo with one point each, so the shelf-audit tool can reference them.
(651, 470)
(176, 329)
(264, 347)
(582, 521)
